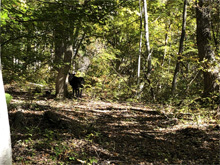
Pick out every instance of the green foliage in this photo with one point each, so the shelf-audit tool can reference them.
(111, 29)
(8, 98)
(93, 160)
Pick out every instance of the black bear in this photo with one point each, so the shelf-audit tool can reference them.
(77, 84)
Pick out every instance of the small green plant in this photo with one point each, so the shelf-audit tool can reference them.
(8, 98)
(90, 137)
(93, 160)
(49, 134)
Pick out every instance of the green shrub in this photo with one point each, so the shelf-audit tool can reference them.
(8, 98)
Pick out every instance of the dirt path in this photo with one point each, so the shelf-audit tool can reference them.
(46, 131)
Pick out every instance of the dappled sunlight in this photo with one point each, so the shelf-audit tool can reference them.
(117, 132)
(111, 82)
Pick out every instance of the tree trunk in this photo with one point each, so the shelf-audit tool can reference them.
(177, 69)
(5, 139)
(140, 43)
(58, 63)
(140, 51)
(147, 38)
(149, 52)
(165, 44)
(65, 44)
(61, 83)
(205, 48)
(76, 50)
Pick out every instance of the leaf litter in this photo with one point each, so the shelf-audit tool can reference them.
(88, 131)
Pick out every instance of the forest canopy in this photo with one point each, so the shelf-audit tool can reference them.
(104, 41)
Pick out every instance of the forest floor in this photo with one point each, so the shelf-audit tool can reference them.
(88, 131)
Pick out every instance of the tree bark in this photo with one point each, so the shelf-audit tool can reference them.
(149, 52)
(139, 87)
(147, 37)
(205, 48)
(61, 83)
(177, 69)
(140, 44)
(65, 44)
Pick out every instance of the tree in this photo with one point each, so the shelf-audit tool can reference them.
(177, 69)
(44, 40)
(140, 44)
(140, 50)
(149, 52)
(64, 54)
(75, 29)
(205, 48)
(5, 139)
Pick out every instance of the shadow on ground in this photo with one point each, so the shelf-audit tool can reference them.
(103, 133)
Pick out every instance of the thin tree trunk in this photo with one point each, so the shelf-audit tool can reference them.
(76, 50)
(149, 52)
(216, 28)
(166, 41)
(177, 69)
(140, 52)
(147, 37)
(140, 44)
(189, 84)
(205, 48)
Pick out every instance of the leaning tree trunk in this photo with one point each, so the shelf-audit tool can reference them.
(177, 69)
(5, 139)
(205, 48)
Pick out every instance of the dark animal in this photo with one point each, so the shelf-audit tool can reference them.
(77, 84)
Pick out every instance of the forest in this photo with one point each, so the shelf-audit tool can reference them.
(109, 82)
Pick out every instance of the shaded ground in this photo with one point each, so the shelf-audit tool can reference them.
(46, 131)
